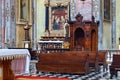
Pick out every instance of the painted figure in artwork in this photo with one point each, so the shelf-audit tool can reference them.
(56, 25)
(23, 9)
(59, 14)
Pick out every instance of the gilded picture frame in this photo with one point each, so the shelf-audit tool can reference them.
(64, 8)
(58, 17)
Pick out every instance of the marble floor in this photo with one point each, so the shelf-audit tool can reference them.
(101, 75)
(90, 76)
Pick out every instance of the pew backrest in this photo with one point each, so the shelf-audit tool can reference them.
(92, 56)
(102, 56)
(61, 58)
(116, 59)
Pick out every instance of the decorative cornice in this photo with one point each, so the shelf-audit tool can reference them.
(52, 4)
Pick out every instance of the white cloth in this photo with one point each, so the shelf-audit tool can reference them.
(14, 54)
(50, 41)
(66, 24)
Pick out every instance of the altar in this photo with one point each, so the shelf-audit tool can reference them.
(12, 62)
(43, 45)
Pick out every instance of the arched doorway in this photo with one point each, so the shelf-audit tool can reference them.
(79, 38)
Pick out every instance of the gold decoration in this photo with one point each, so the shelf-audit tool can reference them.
(66, 45)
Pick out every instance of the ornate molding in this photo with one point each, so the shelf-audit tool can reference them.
(55, 3)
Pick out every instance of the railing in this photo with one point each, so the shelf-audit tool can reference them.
(110, 53)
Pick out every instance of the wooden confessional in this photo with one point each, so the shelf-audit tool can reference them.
(83, 35)
(83, 41)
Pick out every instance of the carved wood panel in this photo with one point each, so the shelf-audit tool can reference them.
(84, 35)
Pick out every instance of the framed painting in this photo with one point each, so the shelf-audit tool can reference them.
(58, 16)
(24, 11)
(107, 10)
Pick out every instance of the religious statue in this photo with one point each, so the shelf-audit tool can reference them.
(67, 30)
(26, 28)
(66, 27)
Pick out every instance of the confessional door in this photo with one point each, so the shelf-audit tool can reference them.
(79, 39)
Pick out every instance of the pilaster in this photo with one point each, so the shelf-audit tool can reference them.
(34, 26)
(100, 28)
(0, 23)
(72, 10)
(113, 23)
(3, 21)
(96, 9)
(97, 13)
(10, 22)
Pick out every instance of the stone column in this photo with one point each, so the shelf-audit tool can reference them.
(100, 28)
(10, 23)
(7, 22)
(97, 13)
(0, 24)
(3, 22)
(72, 10)
(96, 9)
(113, 28)
(34, 26)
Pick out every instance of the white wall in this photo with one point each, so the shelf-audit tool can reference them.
(117, 22)
(40, 18)
(106, 35)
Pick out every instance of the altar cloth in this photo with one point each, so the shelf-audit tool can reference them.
(17, 56)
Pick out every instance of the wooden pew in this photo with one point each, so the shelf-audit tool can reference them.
(115, 66)
(93, 61)
(102, 60)
(74, 62)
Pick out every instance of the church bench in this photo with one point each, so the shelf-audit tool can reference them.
(74, 62)
(115, 66)
(93, 61)
(102, 59)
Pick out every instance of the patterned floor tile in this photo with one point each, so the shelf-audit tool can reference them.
(101, 75)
